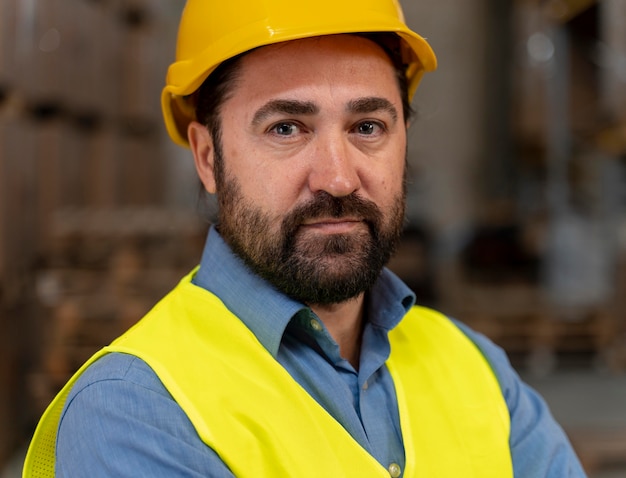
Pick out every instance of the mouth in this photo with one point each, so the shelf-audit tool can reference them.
(333, 225)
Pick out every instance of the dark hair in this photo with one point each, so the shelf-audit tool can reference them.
(216, 89)
(213, 93)
(392, 45)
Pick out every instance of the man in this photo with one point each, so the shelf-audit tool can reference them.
(291, 351)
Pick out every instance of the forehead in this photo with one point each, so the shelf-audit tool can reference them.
(326, 65)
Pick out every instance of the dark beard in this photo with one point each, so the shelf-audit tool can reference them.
(313, 270)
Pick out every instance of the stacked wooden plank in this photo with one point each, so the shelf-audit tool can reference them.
(106, 269)
(538, 335)
(79, 112)
(80, 127)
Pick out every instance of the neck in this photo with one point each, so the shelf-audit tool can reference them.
(344, 322)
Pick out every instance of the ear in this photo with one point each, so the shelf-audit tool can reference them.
(201, 145)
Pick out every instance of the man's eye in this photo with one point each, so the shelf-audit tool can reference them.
(285, 129)
(368, 128)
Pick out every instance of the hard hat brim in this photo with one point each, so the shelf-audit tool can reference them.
(178, 112)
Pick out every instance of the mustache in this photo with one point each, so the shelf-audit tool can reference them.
(325, 205)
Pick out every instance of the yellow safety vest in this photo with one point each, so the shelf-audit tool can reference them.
(262, 423)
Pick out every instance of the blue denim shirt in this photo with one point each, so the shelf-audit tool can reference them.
(119, 421)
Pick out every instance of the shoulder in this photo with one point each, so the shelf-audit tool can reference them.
(114, 388)
(539, 446)
(510, 382)
(119, 367)
(494, 354)
(119, 408)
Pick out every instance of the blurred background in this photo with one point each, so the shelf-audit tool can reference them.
(517, 197)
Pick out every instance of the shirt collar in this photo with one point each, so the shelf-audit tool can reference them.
(266, 311)
(389, 300)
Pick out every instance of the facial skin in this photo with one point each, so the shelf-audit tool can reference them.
(313, 145)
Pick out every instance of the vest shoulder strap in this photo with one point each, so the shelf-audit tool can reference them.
(447, 389)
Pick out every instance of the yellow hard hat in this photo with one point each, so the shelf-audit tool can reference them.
(212, 31)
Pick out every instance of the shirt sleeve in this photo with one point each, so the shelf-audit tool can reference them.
(539, 446)
(119, 421)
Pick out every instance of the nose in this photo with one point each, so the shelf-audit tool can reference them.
(334, 168)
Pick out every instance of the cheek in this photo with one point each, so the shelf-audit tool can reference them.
(271, 186)
(387, 182)
(388, 169)
(271, 189)
(280, 191)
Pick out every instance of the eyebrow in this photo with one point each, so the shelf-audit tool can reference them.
(290, 107)
(371, 105)
(365, 105)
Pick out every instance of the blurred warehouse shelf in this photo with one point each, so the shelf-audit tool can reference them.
(81, 142)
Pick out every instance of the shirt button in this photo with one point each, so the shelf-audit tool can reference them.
(365, 385)
(315, 325)
(394, 470)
